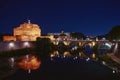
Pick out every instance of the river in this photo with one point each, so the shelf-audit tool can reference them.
(66, 68)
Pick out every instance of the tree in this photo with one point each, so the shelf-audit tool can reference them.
(77, 35)
(114, 33)
(102, 36)
(44, 46)
(62, 48)
(1, 37)
(95, 49)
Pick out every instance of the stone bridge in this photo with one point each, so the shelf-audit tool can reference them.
(83, 43)
(5, 46)
(12, 45)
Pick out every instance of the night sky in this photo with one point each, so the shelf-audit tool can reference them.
(91, 17)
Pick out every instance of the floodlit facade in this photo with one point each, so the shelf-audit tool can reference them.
(9, 38)
(26, 32)
(61, 36)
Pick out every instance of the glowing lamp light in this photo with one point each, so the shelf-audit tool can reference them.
(26, 44)
(52, 55)
(80, 54)
(11, 45)
(93, 43)
(67, 53)
(76, 57)
(93, 55)
(113, 71)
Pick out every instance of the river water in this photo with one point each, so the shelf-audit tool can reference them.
(66, 68)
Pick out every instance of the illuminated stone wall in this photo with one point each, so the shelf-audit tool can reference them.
(26, 32)
(50, 37)
(9, 38)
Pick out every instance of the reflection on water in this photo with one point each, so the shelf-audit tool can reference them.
(12, 62)
(62, 68)
(68, 54)
(29, 62)
(93, 55)
(66, 63)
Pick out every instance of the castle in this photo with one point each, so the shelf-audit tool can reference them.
(26, 32)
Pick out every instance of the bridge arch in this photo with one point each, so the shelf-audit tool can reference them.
(105, 45)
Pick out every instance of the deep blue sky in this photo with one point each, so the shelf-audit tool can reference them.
(91, 17)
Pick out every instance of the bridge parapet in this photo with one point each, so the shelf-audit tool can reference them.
(82, 42)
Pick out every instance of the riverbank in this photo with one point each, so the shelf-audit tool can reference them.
(114, 58)
(110, 61)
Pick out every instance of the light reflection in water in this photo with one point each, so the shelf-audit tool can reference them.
(93, 55)
(11, 62)
(29, 62)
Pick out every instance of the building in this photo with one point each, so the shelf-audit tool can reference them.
(61, 36)
(25, 32)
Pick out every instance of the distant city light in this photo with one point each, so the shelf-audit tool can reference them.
(52, 55)
(93, 55)
(66, 53)
(93, 43)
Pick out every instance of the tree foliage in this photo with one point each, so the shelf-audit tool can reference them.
(95, 49)
(62, 48)
(77, 35)
(44, 46)
(1, 37)
(114, 33)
